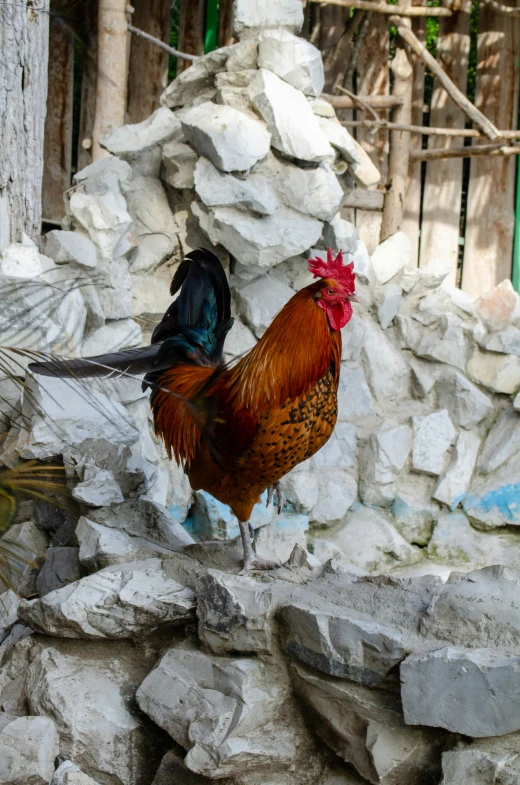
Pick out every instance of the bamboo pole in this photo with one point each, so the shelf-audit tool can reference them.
(153, 40)
(453, 91)
(509, 10)
(465, 152)
(375, 101)
(399, 155)
(425, 130)
(383, 8)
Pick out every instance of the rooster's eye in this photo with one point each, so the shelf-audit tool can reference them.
(331, 291)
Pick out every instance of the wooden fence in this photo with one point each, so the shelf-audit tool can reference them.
(459, 209)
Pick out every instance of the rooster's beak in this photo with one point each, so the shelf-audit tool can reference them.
(353, 298)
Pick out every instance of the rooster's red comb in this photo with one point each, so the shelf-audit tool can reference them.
(334, 268)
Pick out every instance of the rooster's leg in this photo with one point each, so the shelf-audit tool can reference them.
(277, 486)
(251, 560)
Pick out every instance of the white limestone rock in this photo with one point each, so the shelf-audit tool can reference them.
(389, 305)
(88, 689)
(154, 225)
(232, 140)
(22, 260)
(337, 493)
(293, 59)
(70, 774)
(466, 404)
(340, 450)
(278, 540)
(494, 500)
(502, 442)
(233, 613)
(499, 307)
(364, 172)
(316, 192)
(260, 301)
(381, 459)
(468, 691)
(140, 144)
(98, 488)
(505, 341)
(322, 108)
(413, 517)
(195, 84)
(106, 220)
(340, 235)
(259, 241)
(355, 400)
(455, 481)
(239, 340)
(293, 125)
(52, 409)
(249, 15)
(64, 247)
(433, 436)
(301, 489)
(112, 336)
(102, 546)
(368, 540)
(178, 164)
(217, 188)
(391, 256)
(106, 174)
(340, 643)
(445, 343)
(456, 542)
(121, 601)
(387, 371)
(26, 545)
(482, 762)
(340, 139)
(352, 338)
(365, 727)
(498, 372)
(28, 747)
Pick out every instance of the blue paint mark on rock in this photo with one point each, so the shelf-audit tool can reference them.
(495, 506)
(211, 520)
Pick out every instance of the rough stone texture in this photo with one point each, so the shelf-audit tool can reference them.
(468, 691)
(178, 164)
(26, 545)
(112, 336)
(106, 220)
(293, 126)
(229, 138)
(73, 247)
(217, 189)
(252, 14)
(70, 774)
(433, 436)
(293, 59)
(116, 602)
(139, 144)
(61, 567)
(381, 460)
(455, 481)
(494, 499)
(483, 762)
(153, 223)
(28, 747)
(455, 542)
(502, 442)
(259, 309)
(466, 404)
(340, 139)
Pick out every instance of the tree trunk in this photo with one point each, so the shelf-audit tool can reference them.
(148, 71)
(191, 30)
(112, 71)
(57, 159)
(225, 23)
(24, 49)
(88, 33)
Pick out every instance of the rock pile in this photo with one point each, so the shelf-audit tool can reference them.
(131, 651)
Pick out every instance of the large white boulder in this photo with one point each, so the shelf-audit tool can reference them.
(218, 189)
(232, 140)
(293, 125)
(74, 247)
(28, 748)
(106, 220)
(248, 15)
(154, 225)
(293, 59)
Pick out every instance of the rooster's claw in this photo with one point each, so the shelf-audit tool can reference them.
(280, 494)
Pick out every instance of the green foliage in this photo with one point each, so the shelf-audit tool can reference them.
(473, 41)
(174, 38)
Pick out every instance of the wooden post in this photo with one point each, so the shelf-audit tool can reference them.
(191, 30)
(112, 71)
(225, 17)
(58, 123)
(88, 33)
(440, 227)
(413, 196)
(488, 243)
(373, 80)
(148, 66)
(24, 49)
(393, 209)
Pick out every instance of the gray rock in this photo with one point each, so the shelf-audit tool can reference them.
(483, 762)
(125, 463)
(260, 301)
(381, 459)
(347, 645)
(27, 546)
(98, 489)
(505, 341)
(456, 542)
(316, 192)
(493, 500)
(293, 59)
(28, 747)
(217, 188)
(232, 140)
(301, 489)
(446, 343)
(340, 451)
(337, 493)
(282, 536)
(9, 604)
(115, 290)
(499, 373)
(70, 247)
(106, 220)
(88, 690)
(239, 340)
(389, 305)
(112, 336)
(322, 108)
(233, 613)
(466, 404)
(433, 436)
(102, 546)
(178, 164)
(61, 567)
(172, 771)
(340, 139)
(387, 371)
(369, 541)
(153, 223)
(195, 84)
(222, 710)
(117, 602)
(413, 518)
(15, 653)
(249, 15)
(454, 483)
(353, 338)
(340, 235)
(22, 260)
(355, 401)
(365, 727)
(107, 174)
(364, 172)
(293, 126)
(69, 774)
(140, 144)
(468, 691)
(502, 442)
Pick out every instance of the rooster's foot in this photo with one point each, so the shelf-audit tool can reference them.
(257, 564)
(277, 486)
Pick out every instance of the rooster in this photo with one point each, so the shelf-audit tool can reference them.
(238, 430)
